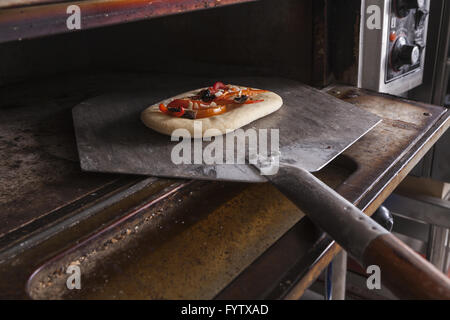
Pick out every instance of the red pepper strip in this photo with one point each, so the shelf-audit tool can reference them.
(166, 110)
(250, 92)
(210, 112)
(231, 101)
(196, 104)
(177, 103)
(247, 92)
(222, 102)
(163, 108)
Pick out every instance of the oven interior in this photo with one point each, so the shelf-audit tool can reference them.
(72, 217)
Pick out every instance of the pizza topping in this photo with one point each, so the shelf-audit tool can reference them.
(190, 114)
(210, 112)
(207, 96)
(172, 111)
(210, 102)
(241, 99)
(218, 86)
(253, 101)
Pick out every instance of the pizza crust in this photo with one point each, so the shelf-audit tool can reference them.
(222, 124)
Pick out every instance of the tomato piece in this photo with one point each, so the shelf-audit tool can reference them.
(218, 85)
(177, 111)
(177, 103)
(163, 108)
(210, 112)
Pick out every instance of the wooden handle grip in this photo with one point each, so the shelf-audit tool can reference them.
(404, 272)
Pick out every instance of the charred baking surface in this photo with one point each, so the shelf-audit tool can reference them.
(404, 123)
(39, 168)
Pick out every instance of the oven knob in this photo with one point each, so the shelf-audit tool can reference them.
(404, 54)
(409, 55)
(404, 7)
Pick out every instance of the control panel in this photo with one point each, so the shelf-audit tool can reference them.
(406, 37)
(392, 51)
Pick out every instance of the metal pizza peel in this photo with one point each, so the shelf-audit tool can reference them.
(314, 128)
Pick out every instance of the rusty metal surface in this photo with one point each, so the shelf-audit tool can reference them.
(404, 124)
(40, 20)
(22, 3)
(16, 269)
(40, 176)
(44, 226)
(194, 264)
(38, 158)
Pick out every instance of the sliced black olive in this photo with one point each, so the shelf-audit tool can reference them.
(175, 109)
(207, 96)
(189, 114)
(241, 99)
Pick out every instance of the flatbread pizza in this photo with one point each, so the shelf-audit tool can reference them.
(224, 108)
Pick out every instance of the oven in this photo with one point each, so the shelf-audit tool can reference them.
(143, 237)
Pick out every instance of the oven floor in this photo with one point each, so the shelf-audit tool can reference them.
(39, 168)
